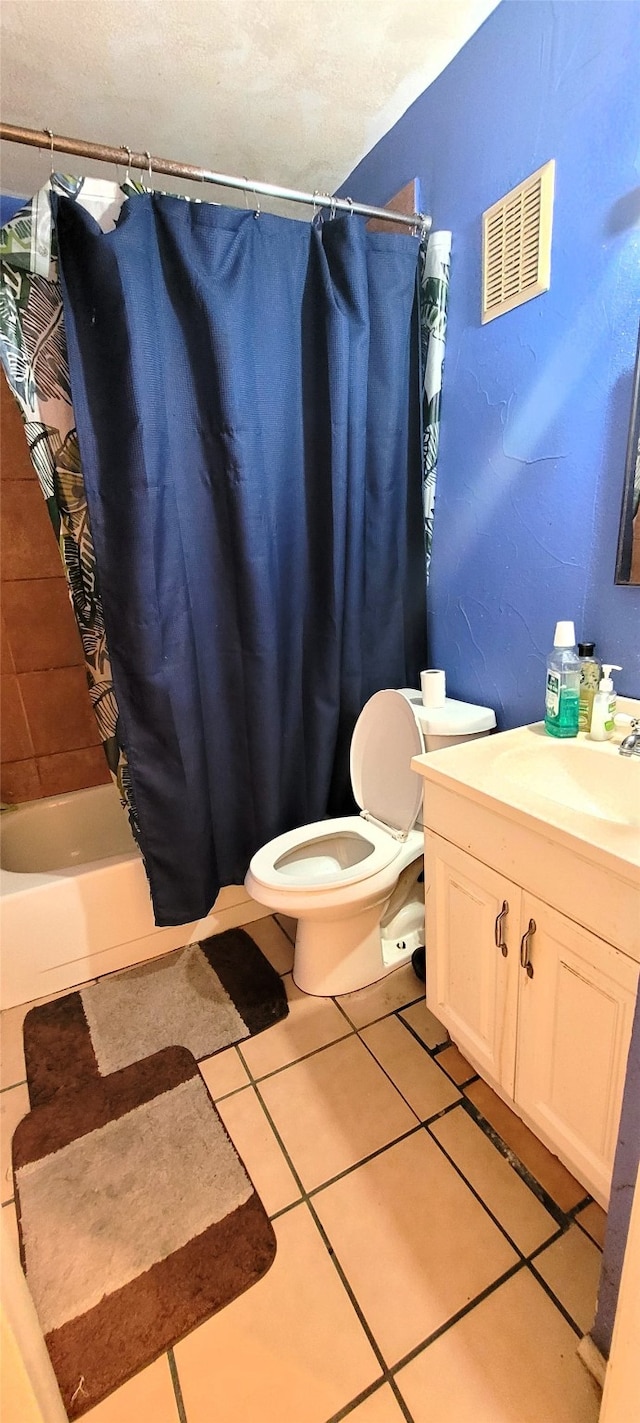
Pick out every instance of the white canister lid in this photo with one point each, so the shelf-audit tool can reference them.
(454, 718)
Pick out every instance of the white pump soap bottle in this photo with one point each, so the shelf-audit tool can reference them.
(604, 705)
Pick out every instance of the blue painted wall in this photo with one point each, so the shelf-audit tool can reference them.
(536, 404)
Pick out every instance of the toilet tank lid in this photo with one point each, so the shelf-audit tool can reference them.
(454, 718)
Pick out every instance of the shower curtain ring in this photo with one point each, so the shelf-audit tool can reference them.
(127, 176)
(350, 202)
(332, 209)
(257, 208)
(148, 158)
(48, 130)
(314, 206)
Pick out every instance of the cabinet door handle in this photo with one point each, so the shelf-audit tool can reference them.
(499, 929)
(525, 957)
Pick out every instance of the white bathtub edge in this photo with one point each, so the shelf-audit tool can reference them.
(22, 981)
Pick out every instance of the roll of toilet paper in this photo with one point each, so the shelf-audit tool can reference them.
(433, 688)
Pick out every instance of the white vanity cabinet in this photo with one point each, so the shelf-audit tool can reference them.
(472, 917)
(541, 1006)
(574, 1028)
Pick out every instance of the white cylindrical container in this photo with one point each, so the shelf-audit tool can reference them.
(433, 687)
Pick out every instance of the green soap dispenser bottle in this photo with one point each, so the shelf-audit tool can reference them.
(563, 683)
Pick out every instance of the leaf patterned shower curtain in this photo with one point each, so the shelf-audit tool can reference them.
(33, 352)
(434, 294)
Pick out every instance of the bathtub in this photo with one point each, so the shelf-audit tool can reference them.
(74, 899)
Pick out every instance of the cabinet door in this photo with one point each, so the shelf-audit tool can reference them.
(574, 1030)
(472, 956)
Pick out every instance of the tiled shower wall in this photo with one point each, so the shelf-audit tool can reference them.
(48, 737)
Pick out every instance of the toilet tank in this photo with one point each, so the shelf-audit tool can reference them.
(450, 724)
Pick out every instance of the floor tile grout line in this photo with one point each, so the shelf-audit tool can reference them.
(306, 1198)
(434, 1115)
(308, 1193)
(435, 1052)
(282, 928)
(540, 1249)
(522, 1255)
(11, 1086)
(399, 1399)
(344, 1013)
(584, 1231)
(224, 1096)
(284, 1210)
(177, 1388)
(352, 1031)
(456, 1318)
(508, 1154)
(391, 1012)
(581, 1206)
(426, 1122)
(338, 1267)
(588, 1201)
(364, 1161)
(555, 1299)
(349, 1408)
(304, 1058)
(325, 1238)
(432, 1051)
(387, 1074)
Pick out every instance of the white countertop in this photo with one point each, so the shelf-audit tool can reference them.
(576, 790)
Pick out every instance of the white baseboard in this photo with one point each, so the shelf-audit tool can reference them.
(592, 1359)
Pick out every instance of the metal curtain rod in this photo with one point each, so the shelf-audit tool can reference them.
(37, 138)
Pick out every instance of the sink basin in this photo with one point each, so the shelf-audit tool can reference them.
(582, 776)
(575, 788)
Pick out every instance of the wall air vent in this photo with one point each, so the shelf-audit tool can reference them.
(516, 244)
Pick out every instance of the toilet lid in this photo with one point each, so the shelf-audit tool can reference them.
(385, 737)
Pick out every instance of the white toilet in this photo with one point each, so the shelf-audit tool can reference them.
(354, 883)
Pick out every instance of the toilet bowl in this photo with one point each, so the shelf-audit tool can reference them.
(354, 883)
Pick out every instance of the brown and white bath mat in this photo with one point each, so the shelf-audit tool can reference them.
(203, 997)
(137, 1220)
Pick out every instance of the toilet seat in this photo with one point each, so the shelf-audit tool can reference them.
(354, 885)
(366, 848)
(345, 851)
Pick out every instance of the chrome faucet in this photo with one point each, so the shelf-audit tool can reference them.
(631, 744)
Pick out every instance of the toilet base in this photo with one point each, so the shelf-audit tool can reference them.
(339, 956)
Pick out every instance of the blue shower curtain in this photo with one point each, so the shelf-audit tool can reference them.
(246, 392)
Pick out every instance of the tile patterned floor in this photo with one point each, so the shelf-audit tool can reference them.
(422, 1271)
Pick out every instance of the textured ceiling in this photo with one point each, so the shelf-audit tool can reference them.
(290, 91)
